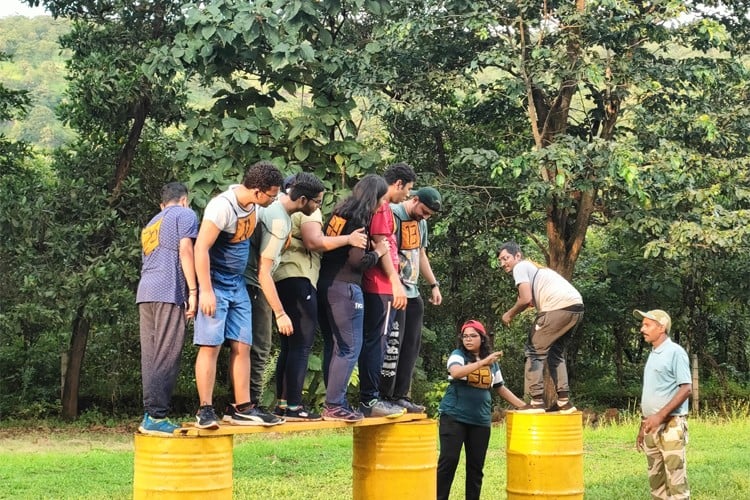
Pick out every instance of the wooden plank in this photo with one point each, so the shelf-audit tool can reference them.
(189, 429)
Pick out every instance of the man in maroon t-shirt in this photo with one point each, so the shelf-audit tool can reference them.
(383, 293)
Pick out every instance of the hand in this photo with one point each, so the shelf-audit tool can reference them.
(284, 324)
(382, 247)
(507, 318)
(358, 238)
(651, 424)
(399, 295)
(192, 306)
(436, 298)
(208, 302)
(639, 440)
(492, 358)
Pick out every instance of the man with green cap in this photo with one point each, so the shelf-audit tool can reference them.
(664, 405)
(405, 338)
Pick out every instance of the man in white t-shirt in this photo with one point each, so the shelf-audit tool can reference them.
(559, 309)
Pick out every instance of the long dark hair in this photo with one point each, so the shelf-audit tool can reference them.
(364, 200)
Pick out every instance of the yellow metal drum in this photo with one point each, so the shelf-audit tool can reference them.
(395, 461)
(544, 455)
(183, 467)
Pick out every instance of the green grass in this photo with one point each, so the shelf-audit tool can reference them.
(99, 464)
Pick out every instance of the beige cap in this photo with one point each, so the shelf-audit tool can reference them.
(657, 315)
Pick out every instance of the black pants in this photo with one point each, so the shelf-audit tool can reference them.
(300, 301)
(475, 439)
(402, 351)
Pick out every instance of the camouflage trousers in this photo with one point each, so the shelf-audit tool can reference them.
(667, 467)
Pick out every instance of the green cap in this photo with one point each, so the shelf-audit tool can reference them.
(430, 197)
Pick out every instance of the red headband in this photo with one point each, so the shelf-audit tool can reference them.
(476, 325)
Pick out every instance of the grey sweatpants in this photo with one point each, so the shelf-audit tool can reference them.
(162, 328)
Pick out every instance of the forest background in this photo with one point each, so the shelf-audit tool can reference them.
(610, 138)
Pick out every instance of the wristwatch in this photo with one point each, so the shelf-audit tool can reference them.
(435, 285)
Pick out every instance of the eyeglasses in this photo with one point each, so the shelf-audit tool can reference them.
(318, 202)
(271, 196)
(469, 336)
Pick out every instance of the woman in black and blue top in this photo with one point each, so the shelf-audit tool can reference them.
(466, 408)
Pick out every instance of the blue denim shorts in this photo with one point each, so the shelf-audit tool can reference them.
(232, 320)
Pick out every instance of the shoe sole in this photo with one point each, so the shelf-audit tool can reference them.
(303, 419)
(212, 426)
(155, 433)
(256, 422)
(388, 415)
(337, 419)
(532, 412)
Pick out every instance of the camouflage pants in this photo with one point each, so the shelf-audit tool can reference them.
(667, 468)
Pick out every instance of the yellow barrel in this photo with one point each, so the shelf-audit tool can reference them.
(395, 461)
(544, 455)
(183, 467)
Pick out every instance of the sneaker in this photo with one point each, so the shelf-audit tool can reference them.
(301, 415)
(531, 408)
(341, 414)
(279, 411)
(157, 426)
(381, 408)
(409, 405)
(254, 415)
(206, 418)
(558, 408)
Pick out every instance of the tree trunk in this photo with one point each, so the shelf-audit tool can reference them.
(125, 159)
(80, 334)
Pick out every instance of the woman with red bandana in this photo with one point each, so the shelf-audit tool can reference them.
(466, 408)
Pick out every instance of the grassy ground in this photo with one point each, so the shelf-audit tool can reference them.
(98, 463)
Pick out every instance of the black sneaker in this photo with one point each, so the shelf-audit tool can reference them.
(564, 409)
(409, 405)
(301, 415)
(531, 408)
(206, 418)
(280, 411)
(255, 415)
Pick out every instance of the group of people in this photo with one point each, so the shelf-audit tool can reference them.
(465, 410)
(264, 254)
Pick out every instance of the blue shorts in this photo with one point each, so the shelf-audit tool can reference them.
(232, 321)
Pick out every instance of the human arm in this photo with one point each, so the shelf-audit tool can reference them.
(522, 302)
(458, 371)
(399, 294)
(314, 240)
(267, 284)
(652, 422)
(508, 395)
(426, 270)
(371, 258)
(206, 238)
(187, 262)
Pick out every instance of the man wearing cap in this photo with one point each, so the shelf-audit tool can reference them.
(559, 312)
(664, 405)
(405, 337)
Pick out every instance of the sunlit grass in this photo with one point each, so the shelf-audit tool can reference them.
(317, 465)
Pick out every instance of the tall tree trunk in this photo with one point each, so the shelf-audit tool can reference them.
(125, 159)
(78, 339)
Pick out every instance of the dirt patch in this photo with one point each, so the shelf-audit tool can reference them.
(46, 440)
